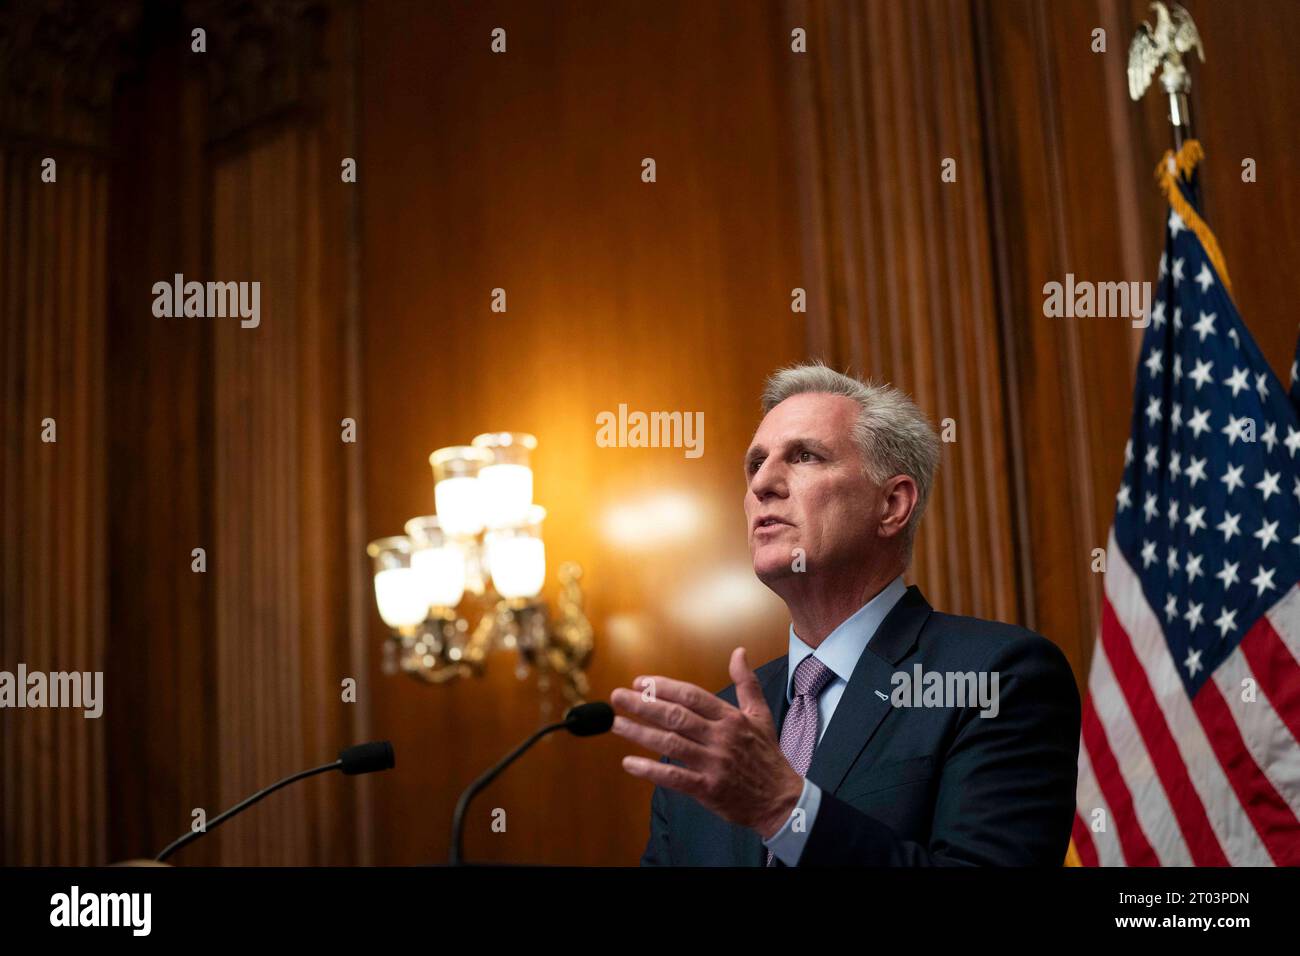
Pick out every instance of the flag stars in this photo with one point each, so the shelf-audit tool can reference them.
(1193, 567)
(1178, 272)
(1261, 385)
(1201, 374)
(1178, 318)
(1178, 369)
(1193, 617)
(1236, 428)
(1176, 417)
(1229, 526)
(1268, 484)
(1195, 521)
(1155, 362)
(1176, 225)
(1154, 415)
(1193, 662)
(1263, 580)
(1200, 422)
(1238, 381)
(1171, 562)
(1158, 310)
(1204, 325)
(1229, 573)
(1292, 440)
(1152, 457)
(1196, 471)
(1204, 279)
(1269, 437)
(1176, 464)
(1123, 499)
(1172, 514)
(1164, 265)
(1171, 607)
(1150, 508)
(1148, 553)
(1267, 534)
(1225, 622)
(1128, 453)
(1232, 478)
(1232, 334)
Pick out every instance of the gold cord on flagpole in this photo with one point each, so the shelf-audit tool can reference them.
(1173, 165)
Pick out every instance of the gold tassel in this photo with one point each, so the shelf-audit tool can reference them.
(1173, 165)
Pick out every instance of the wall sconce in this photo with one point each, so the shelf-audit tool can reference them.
(485, 541)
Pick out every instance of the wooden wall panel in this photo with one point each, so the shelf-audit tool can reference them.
(1071, 189)
(906, 258)
(522, 171)
(52, 608)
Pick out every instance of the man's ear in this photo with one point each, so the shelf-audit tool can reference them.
(898, 500)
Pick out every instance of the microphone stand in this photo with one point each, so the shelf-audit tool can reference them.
(265, 792)
(458, 818)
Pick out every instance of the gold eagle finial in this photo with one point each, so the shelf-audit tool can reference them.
(1173, 35)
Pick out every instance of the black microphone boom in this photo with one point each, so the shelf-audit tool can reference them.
(584, 720)
(362, 758)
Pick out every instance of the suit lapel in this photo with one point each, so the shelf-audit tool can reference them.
(858, 714)
(749, 845)
(861, 709)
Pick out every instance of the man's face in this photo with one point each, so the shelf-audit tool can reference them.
(803, 470)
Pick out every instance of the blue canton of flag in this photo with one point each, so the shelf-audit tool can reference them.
(1208, 512)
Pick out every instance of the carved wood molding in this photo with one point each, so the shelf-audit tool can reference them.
(59, 60)
(264, 58)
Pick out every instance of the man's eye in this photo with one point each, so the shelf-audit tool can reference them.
(753, 465)
(801, 454)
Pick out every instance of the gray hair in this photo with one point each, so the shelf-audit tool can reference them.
(893, 435)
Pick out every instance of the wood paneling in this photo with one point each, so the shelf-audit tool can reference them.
(522, 171)
(52, 604)
(906, 260)
(1071, 190)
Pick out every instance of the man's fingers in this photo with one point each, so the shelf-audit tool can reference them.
(688, 695)
(665, 775)
(663, 741)
(749, 695)
(662, 713)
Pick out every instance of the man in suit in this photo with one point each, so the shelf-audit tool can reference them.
(890, 734)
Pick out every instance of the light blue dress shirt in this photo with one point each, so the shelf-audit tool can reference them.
(840, 652)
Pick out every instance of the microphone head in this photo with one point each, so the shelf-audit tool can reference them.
(368, 757)
(587, 720)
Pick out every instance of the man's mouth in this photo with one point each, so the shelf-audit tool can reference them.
(769, 523)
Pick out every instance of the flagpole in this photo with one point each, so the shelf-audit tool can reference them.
(1161, 47)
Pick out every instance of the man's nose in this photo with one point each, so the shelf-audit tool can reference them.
(768, 481)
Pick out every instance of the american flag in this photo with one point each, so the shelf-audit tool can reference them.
(1189, 752)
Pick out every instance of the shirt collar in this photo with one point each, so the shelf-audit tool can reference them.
(844, 645)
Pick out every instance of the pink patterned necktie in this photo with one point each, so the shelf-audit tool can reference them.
(799, 732)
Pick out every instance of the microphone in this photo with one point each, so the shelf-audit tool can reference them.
(583, 720)
(588, 720)
(361, 758)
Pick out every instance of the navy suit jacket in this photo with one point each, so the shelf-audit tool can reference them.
(918, 786)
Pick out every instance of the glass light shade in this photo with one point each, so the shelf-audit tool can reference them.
(506, 485)
(457, 493)
(399, 593)
(439, 561)
(517, 557)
